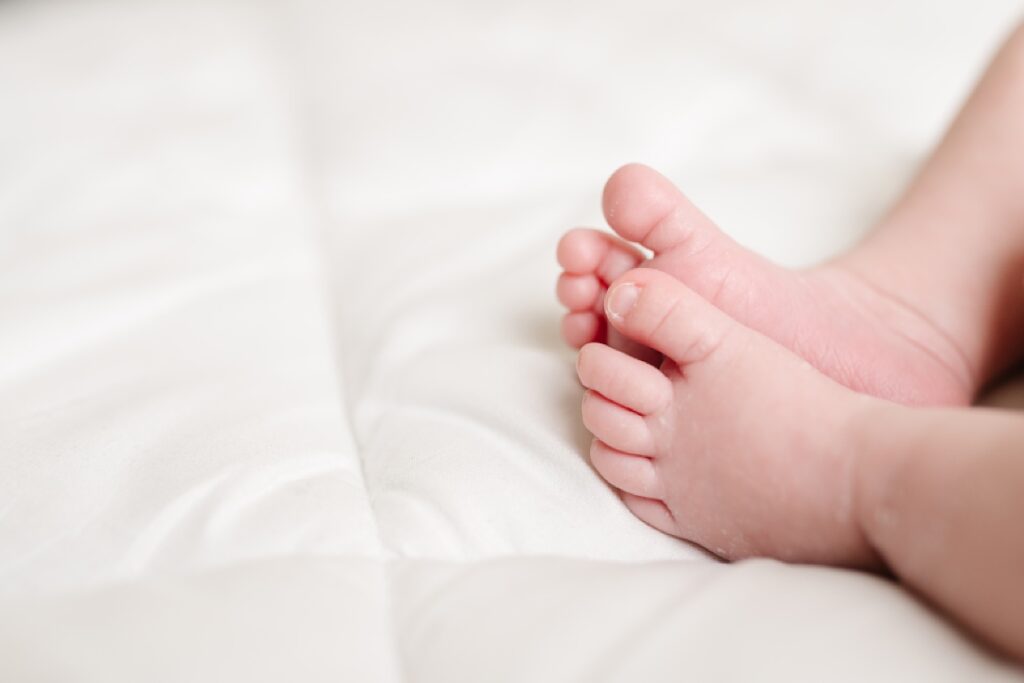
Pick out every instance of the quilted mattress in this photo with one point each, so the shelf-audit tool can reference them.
(281, 391)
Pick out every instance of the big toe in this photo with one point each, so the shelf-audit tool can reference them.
(643, 206)
(656, 310)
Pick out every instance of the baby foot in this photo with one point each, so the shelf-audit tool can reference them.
(591, 259)
(732, 443)
(849, 329)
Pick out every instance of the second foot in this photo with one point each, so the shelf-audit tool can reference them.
(860, 335)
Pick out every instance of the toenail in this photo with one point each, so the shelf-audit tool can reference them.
(621, 299)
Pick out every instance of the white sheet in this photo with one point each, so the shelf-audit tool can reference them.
(281, 394)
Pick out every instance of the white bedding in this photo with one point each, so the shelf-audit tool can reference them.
(281, 393)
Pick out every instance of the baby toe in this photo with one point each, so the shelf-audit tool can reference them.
(623, 379)
(579, 292)
(656, 310)
(617, 426)
(580, 250)
(651, 511)
(582, 327)
(630, 473)
(583, 250)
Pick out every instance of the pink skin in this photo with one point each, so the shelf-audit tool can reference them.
(844, 325)
(709, 446)
(710, 420)
(925, 311)
(738, 445)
